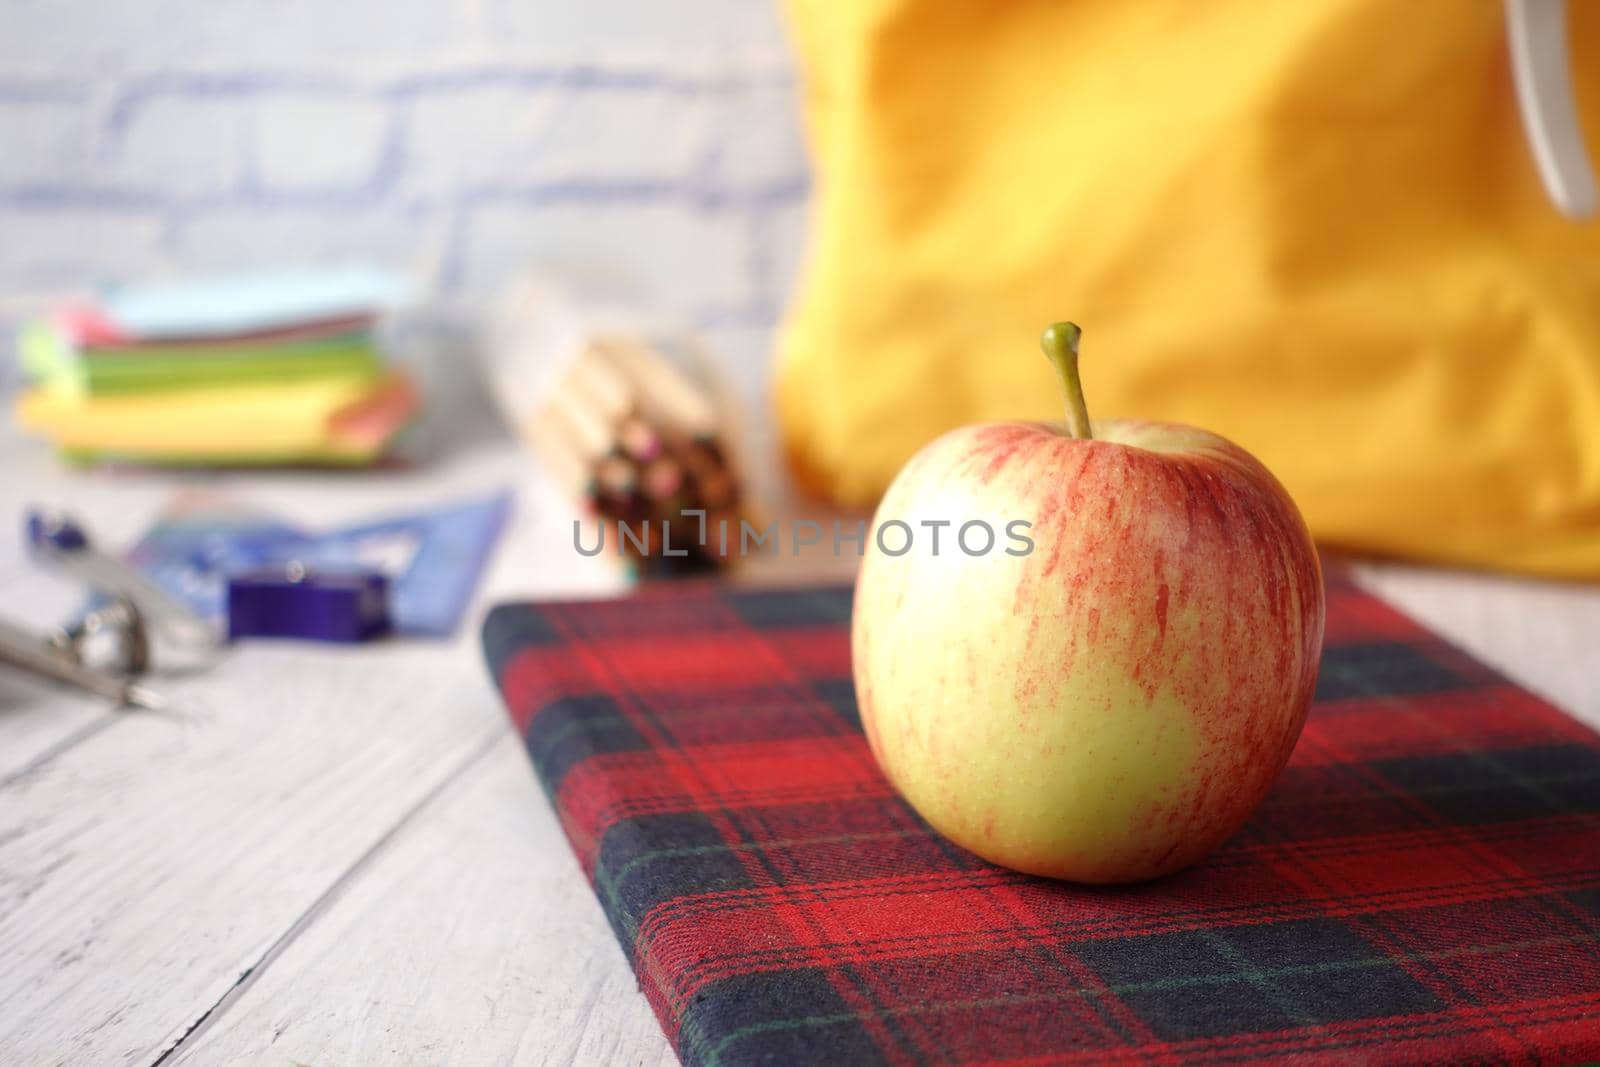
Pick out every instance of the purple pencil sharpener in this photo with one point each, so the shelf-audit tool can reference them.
(290, 601)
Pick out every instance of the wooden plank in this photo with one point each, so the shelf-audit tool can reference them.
(1541, 634)
(38, 723)
(146, 870)
(472, 939)
(148, 866)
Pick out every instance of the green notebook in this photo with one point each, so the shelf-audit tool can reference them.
(53, 361)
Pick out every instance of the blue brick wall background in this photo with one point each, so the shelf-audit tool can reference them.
(458, 141)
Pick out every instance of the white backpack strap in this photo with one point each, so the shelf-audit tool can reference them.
(1542, 69)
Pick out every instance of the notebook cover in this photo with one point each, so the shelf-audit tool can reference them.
(233, 305)
(1422, 885)
(330, 420)
(52, 361)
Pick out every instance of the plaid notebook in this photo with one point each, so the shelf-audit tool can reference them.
(1423, 884)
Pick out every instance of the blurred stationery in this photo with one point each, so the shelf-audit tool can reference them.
(152, 610)
(612, 408)
(210, 568)
(110, 646)
(256, 575)
(291, 601)
(347, 603)
(266, 369)
(45, 658)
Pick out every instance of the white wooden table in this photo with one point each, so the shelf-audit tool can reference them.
(340, 856)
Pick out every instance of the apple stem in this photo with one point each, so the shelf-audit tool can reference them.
(1060, 344)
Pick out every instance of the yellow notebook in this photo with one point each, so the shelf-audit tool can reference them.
(344, 420)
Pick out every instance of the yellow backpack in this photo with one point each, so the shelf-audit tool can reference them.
(1314, 227)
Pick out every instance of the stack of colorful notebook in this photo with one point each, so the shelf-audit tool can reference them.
(238, 371)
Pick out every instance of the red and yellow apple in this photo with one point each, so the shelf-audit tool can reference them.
(1110, 704)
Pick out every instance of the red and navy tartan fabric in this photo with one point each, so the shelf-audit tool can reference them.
(1423, 884)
